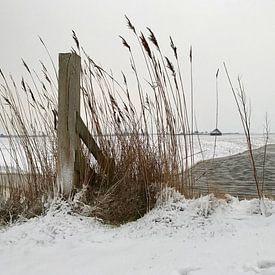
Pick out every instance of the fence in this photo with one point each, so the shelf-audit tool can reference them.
(71, 128)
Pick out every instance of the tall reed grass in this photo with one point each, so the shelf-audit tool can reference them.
(26, 113)
(149, 139)
(244, 111)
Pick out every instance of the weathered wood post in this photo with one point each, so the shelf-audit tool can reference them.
(68, 110)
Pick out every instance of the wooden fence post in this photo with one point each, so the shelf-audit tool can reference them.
(68, 109)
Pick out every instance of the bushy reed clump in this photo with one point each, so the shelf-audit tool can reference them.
(143, 128)
(26, 117)
(148, 138)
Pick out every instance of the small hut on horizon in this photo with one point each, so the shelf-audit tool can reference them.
(216, 132)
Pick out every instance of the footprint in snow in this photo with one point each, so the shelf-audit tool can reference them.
(266, 264)
(187, 270)
(264, 267)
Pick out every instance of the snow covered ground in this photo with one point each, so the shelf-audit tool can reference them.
(202, 236)
(226, 145)
(178, 237)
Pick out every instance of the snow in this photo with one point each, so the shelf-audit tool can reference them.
(229, 144)
(179, 236)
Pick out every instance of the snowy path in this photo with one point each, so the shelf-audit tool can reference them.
(203, 236)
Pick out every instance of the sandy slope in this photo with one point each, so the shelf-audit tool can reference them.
(203, 236)
(233, 174)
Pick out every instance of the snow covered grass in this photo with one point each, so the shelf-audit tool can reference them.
(179, 236)
(226, 145)
(134, 126)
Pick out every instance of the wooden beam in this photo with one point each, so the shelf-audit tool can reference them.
(105, 163)
(68, 108)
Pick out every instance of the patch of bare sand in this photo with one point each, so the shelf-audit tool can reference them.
(233, 174)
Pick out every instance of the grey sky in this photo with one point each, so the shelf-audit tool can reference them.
(241, 33)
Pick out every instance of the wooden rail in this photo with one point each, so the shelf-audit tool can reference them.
(106, 163)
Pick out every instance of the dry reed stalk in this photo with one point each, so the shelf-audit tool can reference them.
(217, 112)
(266, 137)
(244, 112)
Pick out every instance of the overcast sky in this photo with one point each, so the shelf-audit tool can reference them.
(239, 32)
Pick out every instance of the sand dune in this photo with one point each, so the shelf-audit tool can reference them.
(233, 174)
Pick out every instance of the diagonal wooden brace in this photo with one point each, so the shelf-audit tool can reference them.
(107, 164)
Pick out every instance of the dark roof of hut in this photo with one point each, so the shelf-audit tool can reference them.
(216, 132)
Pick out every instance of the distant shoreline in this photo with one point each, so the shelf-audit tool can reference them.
(141, 134)
(21, 136)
